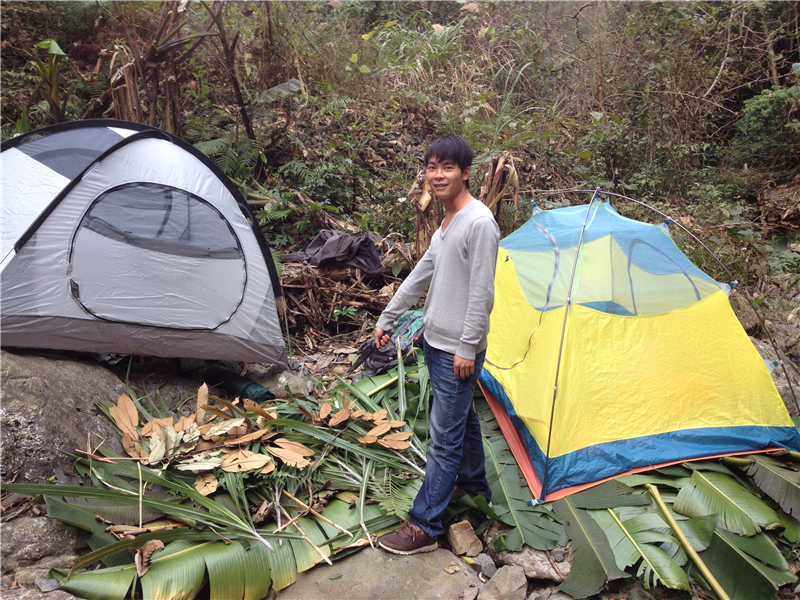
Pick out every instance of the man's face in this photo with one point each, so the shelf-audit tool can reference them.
(446, 178)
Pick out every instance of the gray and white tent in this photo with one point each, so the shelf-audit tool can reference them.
(121, 238)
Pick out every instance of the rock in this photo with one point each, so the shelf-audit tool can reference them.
(279, 381)
(550, 593)
(174, 391)
(51, 403)
(486, 564)
(463, 540)
(470, 593)
(33, 545)
(47, 585)
(779, 377)
(492, 532)
(371, 574)
(537, 565)
(509, 583)
(34, 594)
(559, 554)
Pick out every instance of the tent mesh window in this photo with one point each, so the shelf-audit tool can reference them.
(141, 223)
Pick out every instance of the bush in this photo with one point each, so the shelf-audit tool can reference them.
(768, 133)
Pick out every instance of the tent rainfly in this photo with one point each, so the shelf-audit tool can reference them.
(611, 353)
(121, 238)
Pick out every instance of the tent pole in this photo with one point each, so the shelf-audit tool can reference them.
(714, 256)
(567, 306)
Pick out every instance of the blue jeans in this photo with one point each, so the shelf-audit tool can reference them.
(455, 454)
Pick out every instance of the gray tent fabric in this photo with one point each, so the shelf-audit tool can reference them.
(337, 249)
(119, 238)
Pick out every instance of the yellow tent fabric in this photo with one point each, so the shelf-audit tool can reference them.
(654, 366)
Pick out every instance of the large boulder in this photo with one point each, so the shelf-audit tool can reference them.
(371, 574)
(32, 546)
(49, 404)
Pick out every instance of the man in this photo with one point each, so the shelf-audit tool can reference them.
(458, 271)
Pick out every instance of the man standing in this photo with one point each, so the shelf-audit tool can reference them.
(458, 271)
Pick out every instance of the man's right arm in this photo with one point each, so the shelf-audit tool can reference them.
(406, 296)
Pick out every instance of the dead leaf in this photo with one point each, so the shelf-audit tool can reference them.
(325, 410)
(202, 399)
(243, 460)
(324, 361)
(294, 447)
(451, 570)
(394, 444)
(201, 462)
(368, 439)
(125, 416)
(132, 447)
(291, 458)
(340, 416)
(253, 407)
(305, 412)
(268, 469)
(349, 404)
(398, 435)
(151, 426)
(336, 3)
(183, 423)
(437, 28)
(249, 437)
(141, 556)
(357, 413)
(471, 7)
(367, 416)
(380, 415)
(263, 509)
(206, 483)
(394, 424)
(163, 440)
(223, 427)
(345, 350)
(217, 412)
(380, 429)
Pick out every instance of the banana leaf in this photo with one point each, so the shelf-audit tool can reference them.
(97, 538)
(106, 584)
(594, 561)
(778, 482)
(510, 499)
(737, 509)
(177, 571)
(636, 539)
(611, 494)
(735, 562)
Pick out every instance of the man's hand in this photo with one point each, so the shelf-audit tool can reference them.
(463, 368)
(381, 338)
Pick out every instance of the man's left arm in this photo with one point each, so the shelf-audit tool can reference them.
(483, 241)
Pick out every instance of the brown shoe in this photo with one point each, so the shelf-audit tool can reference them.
(410, 539)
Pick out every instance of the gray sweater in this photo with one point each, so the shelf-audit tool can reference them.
(458, 269)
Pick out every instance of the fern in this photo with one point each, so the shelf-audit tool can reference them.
(396, 499)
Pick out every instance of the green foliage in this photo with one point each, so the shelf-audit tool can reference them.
(234, 153)
(768, 132)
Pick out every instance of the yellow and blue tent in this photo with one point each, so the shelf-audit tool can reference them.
(611, 353)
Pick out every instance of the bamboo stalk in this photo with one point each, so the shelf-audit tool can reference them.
(383, 386)
(691, 552)
(318, 515)
(308, 540)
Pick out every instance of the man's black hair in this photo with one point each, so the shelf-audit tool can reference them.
(451, 147)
